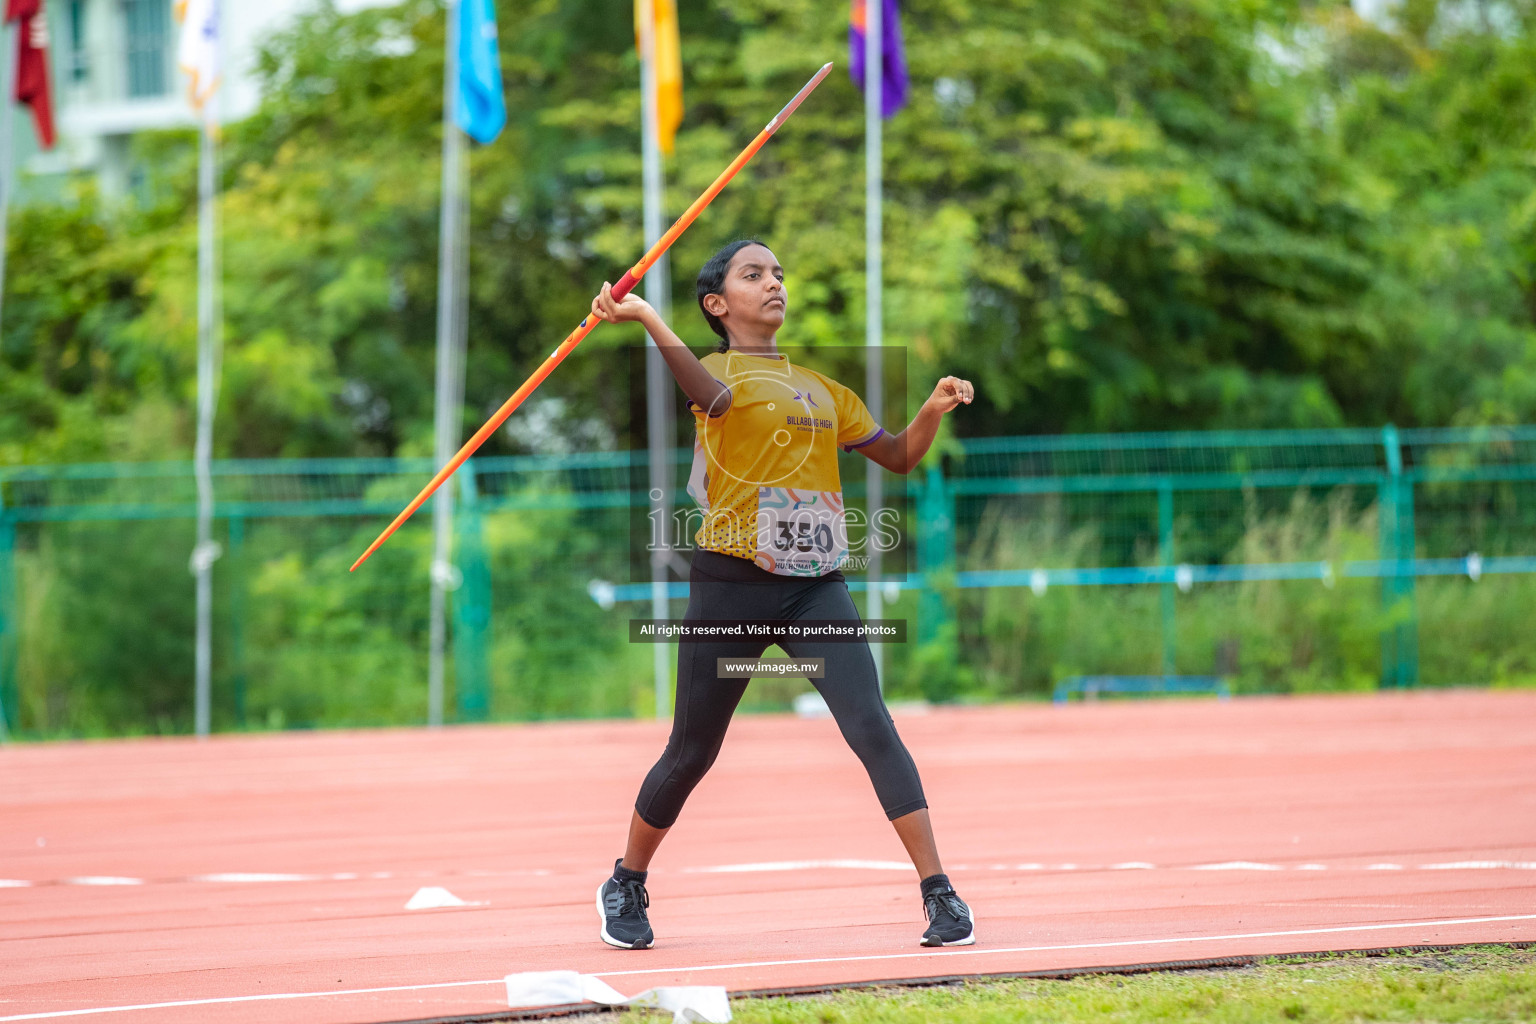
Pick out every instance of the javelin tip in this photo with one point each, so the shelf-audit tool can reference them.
(805, 90)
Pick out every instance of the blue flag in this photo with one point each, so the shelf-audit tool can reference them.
(479, 108)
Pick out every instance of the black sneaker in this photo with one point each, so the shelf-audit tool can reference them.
(949, 919)
(621, 908)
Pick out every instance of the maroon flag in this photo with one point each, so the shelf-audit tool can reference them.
(32, 64)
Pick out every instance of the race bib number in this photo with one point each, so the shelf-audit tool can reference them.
(800, 533)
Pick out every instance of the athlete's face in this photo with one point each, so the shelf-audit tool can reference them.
(753, 294)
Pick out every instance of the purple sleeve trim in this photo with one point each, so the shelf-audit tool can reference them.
(871, 439)
(690, 404)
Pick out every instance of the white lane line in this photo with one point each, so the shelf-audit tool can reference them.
(1475, 865)
(250, 999)
(243, 877)
(252, 877)
(1082, 945)
(781, 963)
(1135, 865)
(256, 877)
(801, 865)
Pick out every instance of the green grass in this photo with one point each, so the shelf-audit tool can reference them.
(1487, 983)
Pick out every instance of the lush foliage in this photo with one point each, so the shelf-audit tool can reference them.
(1110, 214)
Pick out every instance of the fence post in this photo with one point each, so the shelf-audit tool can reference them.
(471, 606)
(1407, 586)
(10, 611)
(1165, 558)
(935, 552)
(235, 573)
(1386, 540)
(1399, 639)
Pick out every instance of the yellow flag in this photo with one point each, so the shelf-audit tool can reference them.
(668, 71)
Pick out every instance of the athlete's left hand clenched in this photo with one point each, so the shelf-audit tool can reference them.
(950, 392)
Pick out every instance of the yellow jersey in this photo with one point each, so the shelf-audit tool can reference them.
(765, 473)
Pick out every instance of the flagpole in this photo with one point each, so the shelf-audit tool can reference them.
(208, 343)
(449, 381)
(660, 422)
(874, 379)
(9, 69)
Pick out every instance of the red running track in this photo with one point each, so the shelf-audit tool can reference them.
(264, 877)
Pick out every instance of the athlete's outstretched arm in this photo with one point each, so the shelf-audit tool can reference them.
(704, 391)
(900, 453)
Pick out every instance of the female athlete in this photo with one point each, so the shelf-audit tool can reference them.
(765, 465)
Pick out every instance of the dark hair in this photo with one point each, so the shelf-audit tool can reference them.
(712, 282)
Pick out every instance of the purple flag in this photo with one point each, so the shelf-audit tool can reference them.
(893, 81)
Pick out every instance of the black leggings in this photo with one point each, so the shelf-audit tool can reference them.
(724, 587)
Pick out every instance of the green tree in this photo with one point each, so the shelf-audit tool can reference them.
(1114, 215)
(1442, 111)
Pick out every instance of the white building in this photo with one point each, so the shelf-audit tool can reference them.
(114, 72)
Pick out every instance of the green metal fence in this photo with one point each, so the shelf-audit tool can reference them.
(1174, 510)
(1281, 554)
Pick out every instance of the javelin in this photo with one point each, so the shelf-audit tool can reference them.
(631, 278)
